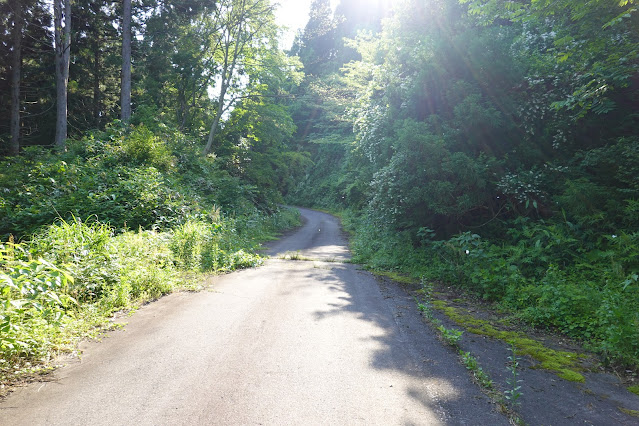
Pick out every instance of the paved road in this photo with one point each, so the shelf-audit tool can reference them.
(290, 343)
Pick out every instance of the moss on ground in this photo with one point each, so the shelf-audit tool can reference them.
(634, 413)
(564, 364)
(634, 389)
(397, 277)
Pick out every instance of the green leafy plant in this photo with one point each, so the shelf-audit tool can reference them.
(470, 362)
(450, 336)
(33, 293)
(513, 394)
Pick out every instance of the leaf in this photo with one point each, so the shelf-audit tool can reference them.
(51, 295)
(18, 304)
(9, 281)
(617, 19)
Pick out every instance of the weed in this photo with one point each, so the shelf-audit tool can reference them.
(450, 335)
(482, 378)
(292, 256)
(633, 413)
(513, 393)
(564, 363)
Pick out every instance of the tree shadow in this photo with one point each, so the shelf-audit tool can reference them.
(401, 343)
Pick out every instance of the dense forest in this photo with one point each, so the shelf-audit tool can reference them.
(491, 145)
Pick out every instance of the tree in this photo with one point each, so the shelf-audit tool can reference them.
(62, 34)
(35, 87)
(317, 47)
(125, 98)
(16, 63)
(593, 43)
(242, 25)
(353, 16)
(175, 66)
(95, 72)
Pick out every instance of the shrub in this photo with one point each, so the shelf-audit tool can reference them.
(87, 251)
(142, 146)
(32, 298)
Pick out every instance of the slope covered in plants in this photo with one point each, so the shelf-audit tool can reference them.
(491, 145)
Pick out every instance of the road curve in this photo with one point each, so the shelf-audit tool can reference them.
(290, 343)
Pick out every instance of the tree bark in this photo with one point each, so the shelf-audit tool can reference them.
(227, 77)
(62, 57)
(125, 99)
(16, 65)
(216, 121)
(96, 82)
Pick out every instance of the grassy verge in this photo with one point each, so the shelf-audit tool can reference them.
(540, 275)
(65, 284)
(506, 401)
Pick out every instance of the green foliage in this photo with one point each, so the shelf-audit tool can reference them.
(495, 150)
(86, 250)
(144, 147)
(131, 178)
(564, 364)
(513, 393)
(84, 272)
(470, 362)
(212, 247)
(549, 275)
(32, 296)
(81, 262)
(145, 271)
(450, 336)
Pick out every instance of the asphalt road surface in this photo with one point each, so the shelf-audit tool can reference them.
(295, 342)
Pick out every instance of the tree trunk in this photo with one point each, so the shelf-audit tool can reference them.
(216, 121)
(125, 99)
(227, 77)
(96, 83)
(62, 56)
(182, 104)
(16, 62)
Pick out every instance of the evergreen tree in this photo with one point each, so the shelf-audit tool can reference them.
(62, 33)
(125, 98)
(317, 43)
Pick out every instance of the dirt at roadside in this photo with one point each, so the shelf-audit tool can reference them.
(546, 399)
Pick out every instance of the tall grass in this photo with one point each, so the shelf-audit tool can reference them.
(66, 282)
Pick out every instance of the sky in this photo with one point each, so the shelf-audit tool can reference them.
(294, 15)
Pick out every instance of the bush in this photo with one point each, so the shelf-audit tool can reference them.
(548, 274)
(33, 300)
(115, 221)
(142, 146)
(87, 251)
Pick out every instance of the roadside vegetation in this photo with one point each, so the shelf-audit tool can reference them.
(123, 217)
(491, 146)
(145, 181)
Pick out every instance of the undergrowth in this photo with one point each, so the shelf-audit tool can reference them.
(122, 218)
(548, 275)
(71, 277)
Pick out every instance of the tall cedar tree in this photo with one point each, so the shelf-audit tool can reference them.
(62, 31)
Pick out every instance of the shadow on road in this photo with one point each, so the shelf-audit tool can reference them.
(402, 344)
